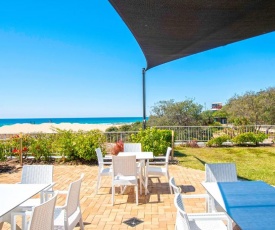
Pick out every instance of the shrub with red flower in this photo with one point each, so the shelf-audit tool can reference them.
(118, 147)
(15, 143)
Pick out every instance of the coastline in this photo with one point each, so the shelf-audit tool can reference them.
(48, 127)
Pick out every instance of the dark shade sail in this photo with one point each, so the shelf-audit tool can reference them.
(170, 29)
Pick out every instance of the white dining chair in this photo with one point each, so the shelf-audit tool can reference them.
(160, 168)
(69, 215)
(38, 174)
(132, 147)
(102, 170)
(177, 190)
(33, 174)
(199, 221)
(42, 216)
(124, 174)
(219, 172)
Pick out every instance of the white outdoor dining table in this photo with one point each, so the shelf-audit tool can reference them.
(141, 156)
(250, 204)
(12, 195)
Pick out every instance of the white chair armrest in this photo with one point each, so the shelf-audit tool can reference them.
(208, 216)
(105, 163)
(160, 158)
(61, 207)
(157, 163)
(206, 196)
(63, 192)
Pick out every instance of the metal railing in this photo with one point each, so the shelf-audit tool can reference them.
(187, 133)
(205, 133)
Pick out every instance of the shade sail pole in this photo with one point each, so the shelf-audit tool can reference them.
(144, 98)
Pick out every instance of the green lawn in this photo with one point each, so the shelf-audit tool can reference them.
(253, 163)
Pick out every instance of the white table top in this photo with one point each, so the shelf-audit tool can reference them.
(12, 195)
(139, 155)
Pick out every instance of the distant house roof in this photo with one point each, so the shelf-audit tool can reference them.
(170, 29)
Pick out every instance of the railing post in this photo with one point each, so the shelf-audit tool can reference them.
(173, 140)
(21, 148)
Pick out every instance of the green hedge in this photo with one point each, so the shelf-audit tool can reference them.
(249, 137)
(217, 141)
(241, 139)
(78, 145)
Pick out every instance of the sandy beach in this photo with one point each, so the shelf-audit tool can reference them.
(48, 127)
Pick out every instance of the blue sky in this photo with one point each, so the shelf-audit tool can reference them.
(78, 59)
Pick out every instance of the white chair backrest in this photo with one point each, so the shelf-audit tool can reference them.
(43, 215)
(72, 201)
(220, 172)
(37, 174)
(168, 152)
(124, 165)
(182, 221)
(99, 155)
(175, 188)
(132, 147)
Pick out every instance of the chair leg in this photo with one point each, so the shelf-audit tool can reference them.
(81, 223)
(113, 194)
(168, 177)
(98, 183)
(136, 188)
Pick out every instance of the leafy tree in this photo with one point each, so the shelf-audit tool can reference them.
(243, 110)
(267, 100)
(252, 108)
(168, 113)
(207, 117)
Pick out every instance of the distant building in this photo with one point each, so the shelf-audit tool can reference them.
(216, 106)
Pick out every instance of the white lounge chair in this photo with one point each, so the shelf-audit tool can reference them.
(160, 168)
(199, 221)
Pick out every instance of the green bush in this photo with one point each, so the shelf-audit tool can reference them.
(78, 145)
(41, 147)
(217, 141)
(2, 151)
(64, 144)
(112, 129)
(249, 137)
(153, 140)
(87, 142)
(15, 144)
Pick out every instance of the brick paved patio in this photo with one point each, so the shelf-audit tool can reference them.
(156, 209)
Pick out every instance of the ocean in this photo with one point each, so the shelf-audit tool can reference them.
(86, 120)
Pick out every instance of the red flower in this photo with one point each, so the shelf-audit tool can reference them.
(17, 151)
(25, 149)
